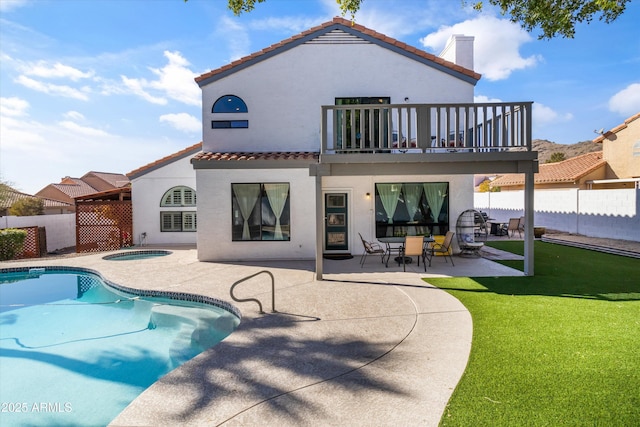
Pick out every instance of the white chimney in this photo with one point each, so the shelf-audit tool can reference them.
(459, 50)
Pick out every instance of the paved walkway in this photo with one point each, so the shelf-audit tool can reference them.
(365, 346)
(618, 247)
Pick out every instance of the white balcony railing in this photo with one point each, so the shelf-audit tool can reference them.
(425, 128)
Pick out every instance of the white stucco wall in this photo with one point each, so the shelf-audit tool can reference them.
(60, 229)
(214, 229)
(596, 213)
(146, 195)
(284, 93)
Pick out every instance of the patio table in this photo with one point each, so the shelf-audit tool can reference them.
(497, 228)
(399, 240)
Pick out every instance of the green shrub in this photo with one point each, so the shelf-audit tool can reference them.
(11, 242)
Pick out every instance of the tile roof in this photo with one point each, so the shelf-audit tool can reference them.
(228, 157)
(165, 160)
(617, 128)
(10, 196)
(120, 193)
(350, 27)
(567, 171)
(113, 179)
(74, 187)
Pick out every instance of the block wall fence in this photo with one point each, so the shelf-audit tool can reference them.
(594, 213)
(60, 229)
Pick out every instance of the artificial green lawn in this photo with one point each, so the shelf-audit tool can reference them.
(561, 348)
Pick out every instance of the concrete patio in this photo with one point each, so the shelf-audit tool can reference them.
(365, 346)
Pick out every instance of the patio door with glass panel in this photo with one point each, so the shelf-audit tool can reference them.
(336, 234)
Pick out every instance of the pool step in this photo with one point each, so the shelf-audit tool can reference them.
(199, 329)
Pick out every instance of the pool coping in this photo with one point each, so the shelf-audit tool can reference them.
(176, 296)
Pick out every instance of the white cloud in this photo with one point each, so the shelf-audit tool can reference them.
(496, 45)
(627, 101)
(20, 134)
(52, 89)
(13, 107)
(543, 116)
(233, 36)
(7, 5)
(57, 70)
(74, 115)
(136, 87)
(296, 24)
(175, 81)
(482, 99)
(183, 122)
(81, 130)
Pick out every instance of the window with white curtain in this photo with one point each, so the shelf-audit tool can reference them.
(260, 211)
(411, 208)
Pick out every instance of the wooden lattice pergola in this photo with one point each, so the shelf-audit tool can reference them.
(104, 221)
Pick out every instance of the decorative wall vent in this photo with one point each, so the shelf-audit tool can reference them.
(337, 37)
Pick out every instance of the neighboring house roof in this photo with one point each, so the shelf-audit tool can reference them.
(567, 171)
(341, 26)
(74, 187)
(617, 129)
(105, 180)
(189, 151)
(121, 193)
(11, 195)
(90, 183)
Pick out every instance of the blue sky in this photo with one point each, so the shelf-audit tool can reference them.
(107, 85)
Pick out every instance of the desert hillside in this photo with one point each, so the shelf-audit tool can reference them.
(546, 148)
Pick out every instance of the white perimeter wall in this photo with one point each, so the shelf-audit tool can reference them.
(60, 229)
(214, 210)
(595, 213)
(146, 194)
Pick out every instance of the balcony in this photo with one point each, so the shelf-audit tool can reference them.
(426, 129)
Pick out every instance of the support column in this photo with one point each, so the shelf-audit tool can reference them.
(319, 227)
(319, 170)
(529, 238)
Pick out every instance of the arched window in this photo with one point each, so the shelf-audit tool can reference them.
(177, 219)
(179, 196)
(229, 104)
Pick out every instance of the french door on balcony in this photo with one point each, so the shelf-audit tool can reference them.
(366, 128)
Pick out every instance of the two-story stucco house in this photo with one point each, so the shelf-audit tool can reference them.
(340, 131)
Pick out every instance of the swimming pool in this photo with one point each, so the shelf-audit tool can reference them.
(75, 350)
(136, 255)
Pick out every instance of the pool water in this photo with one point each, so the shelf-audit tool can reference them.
(136, 255)
(75, 352)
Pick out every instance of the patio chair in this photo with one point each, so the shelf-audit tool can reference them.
(370, 249)
(521, 225)
(443, 248)
(513, 226)
(413, 246)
